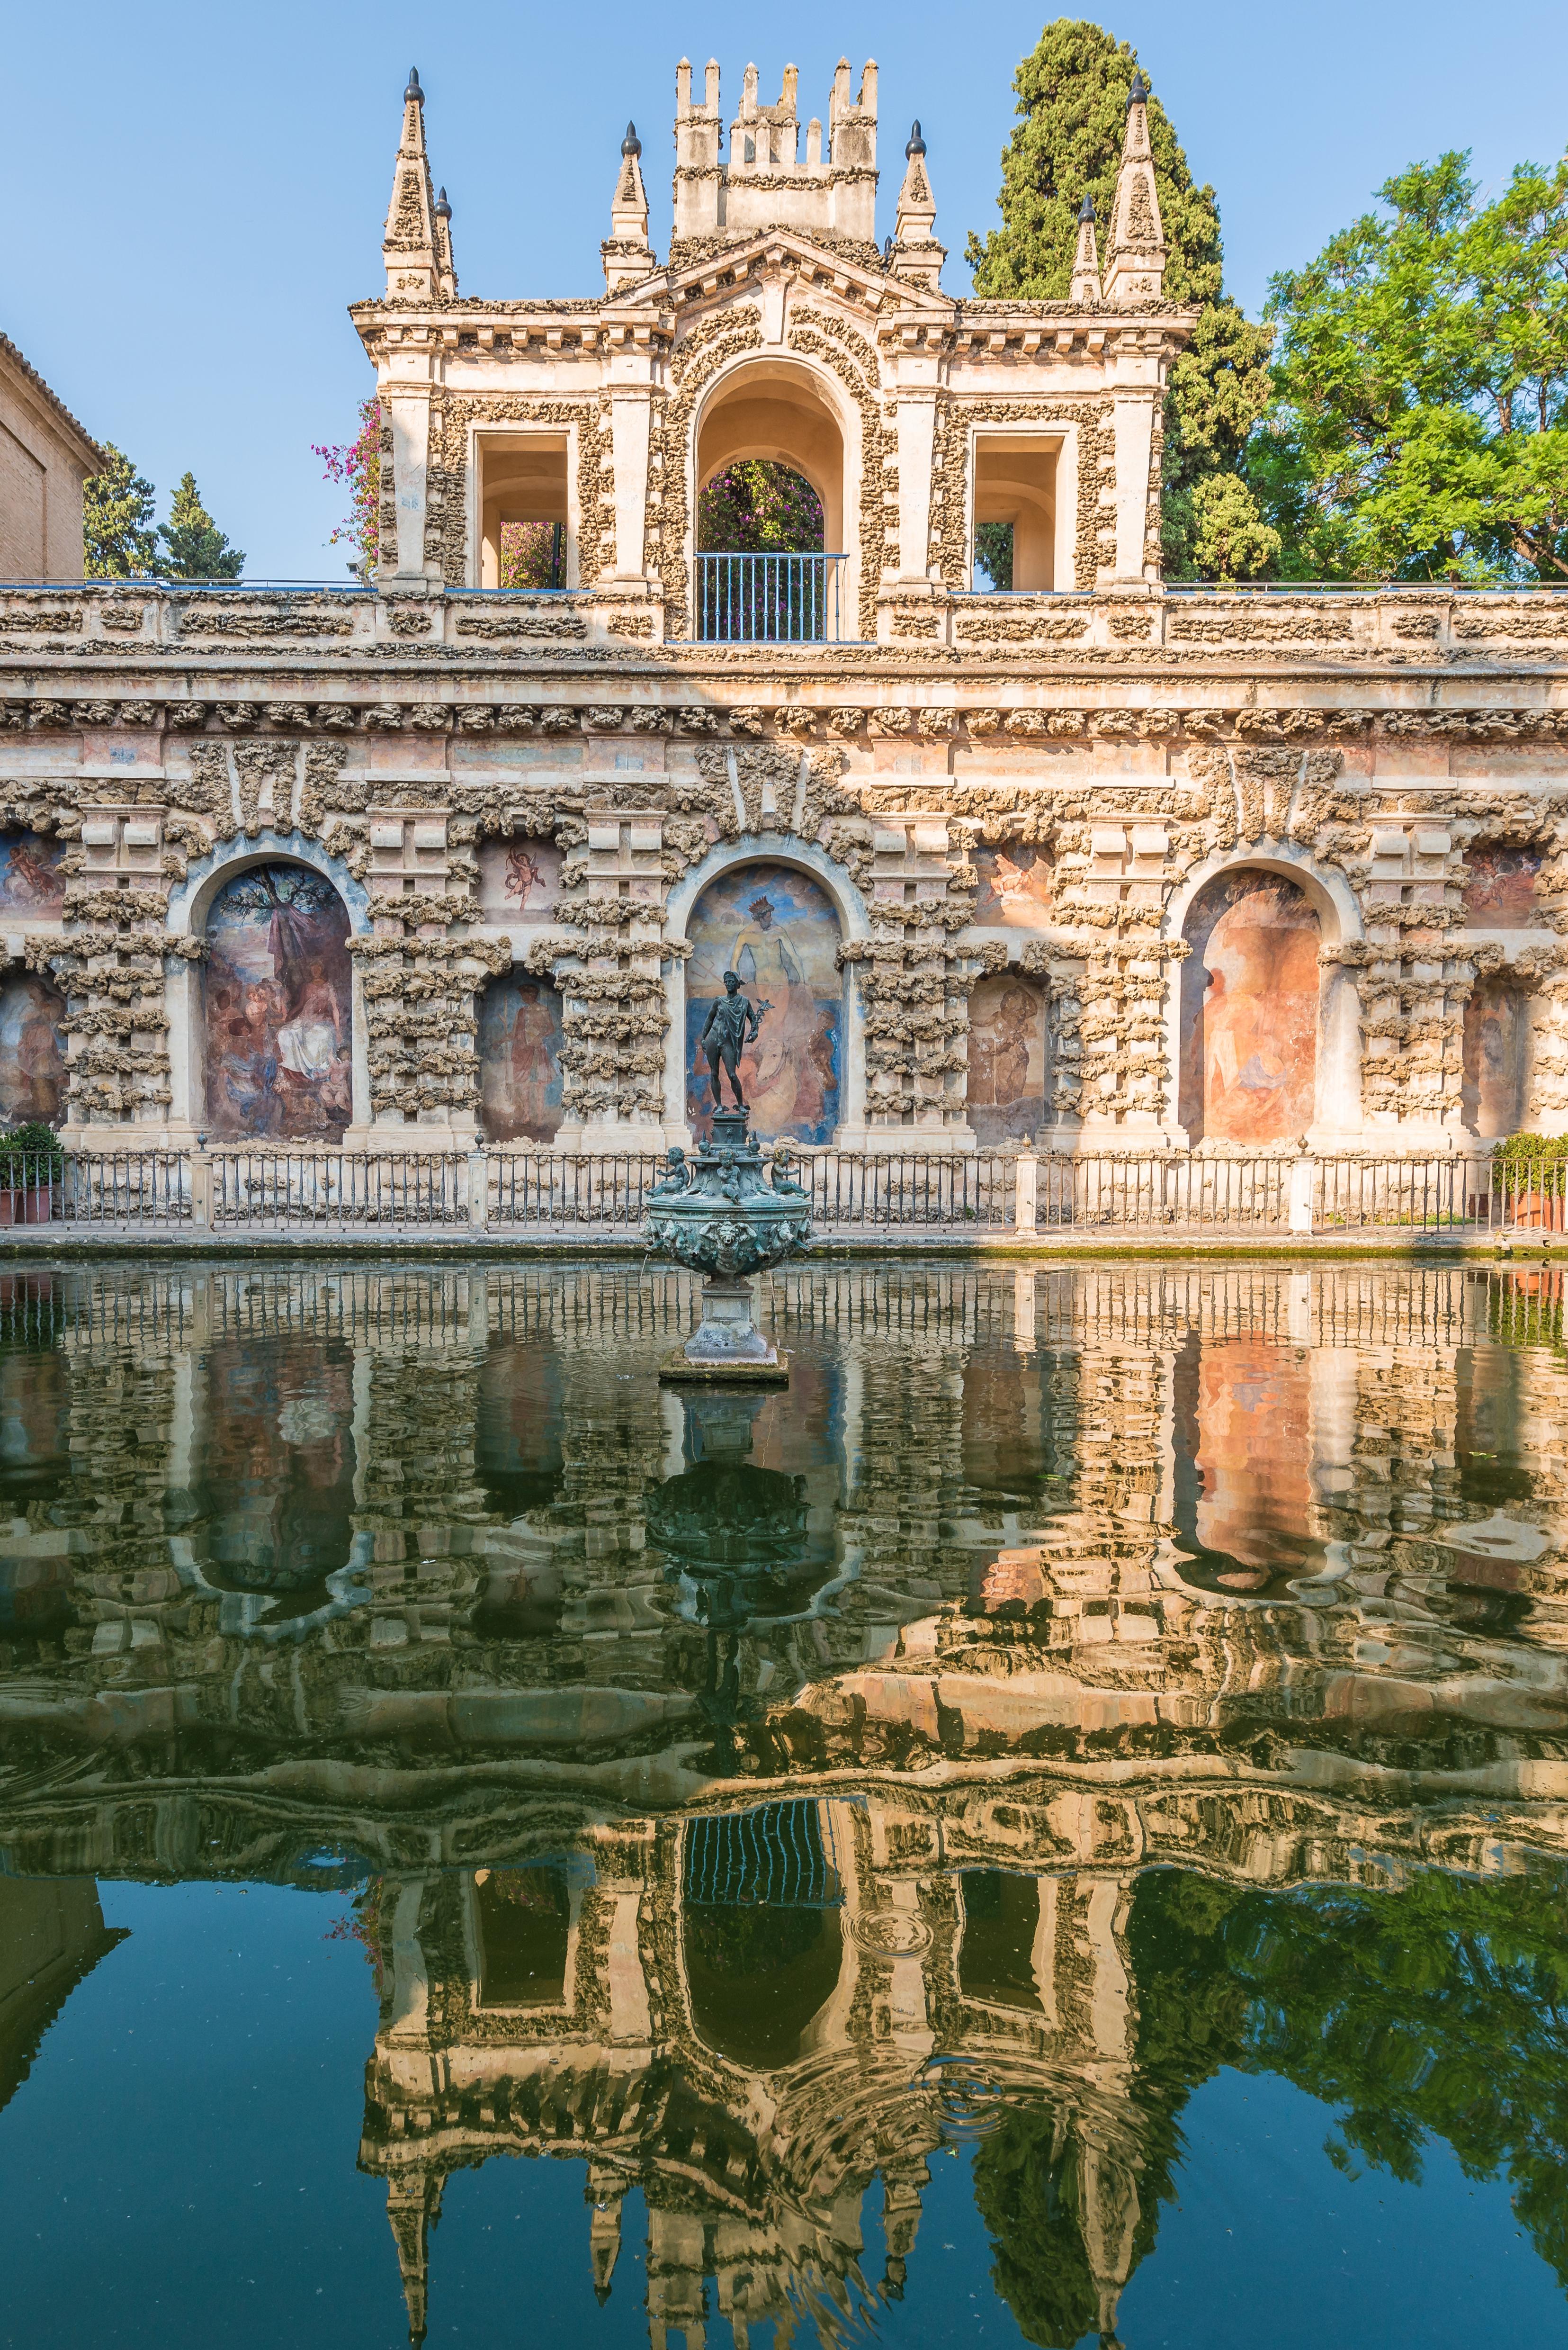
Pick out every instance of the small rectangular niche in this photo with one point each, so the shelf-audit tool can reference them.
(1014, 513)
(525, 520)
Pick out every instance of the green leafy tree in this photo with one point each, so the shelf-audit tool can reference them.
(195, 549)
(757, 507)
(119, 541)
(1071, 103)
(1231, 540)
(1422, 425)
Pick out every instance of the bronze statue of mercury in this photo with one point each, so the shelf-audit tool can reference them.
(731, 1024)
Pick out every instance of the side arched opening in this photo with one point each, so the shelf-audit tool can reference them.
(32, 1051)
(1250, 1020)
(277, 1009)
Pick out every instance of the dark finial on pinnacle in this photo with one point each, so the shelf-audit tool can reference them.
(917, 145)
(1086, 211)
(413, 90)
(1139, 94)
(443, 210)
(632, 144)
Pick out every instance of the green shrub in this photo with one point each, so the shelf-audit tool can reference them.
(29, 1153)
(1539, 1161)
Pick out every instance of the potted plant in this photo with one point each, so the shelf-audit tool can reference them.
(32, 1165)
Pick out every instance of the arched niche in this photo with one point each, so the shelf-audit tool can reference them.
(277, 1008)
(1248, 1036)
(1247, 1443)
(1009, 1069)
(1495, 1058)
(778, 410)
(520, 1038)
(32, 1050)
(777, 929)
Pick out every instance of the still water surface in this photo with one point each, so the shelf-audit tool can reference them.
(1053, 1830)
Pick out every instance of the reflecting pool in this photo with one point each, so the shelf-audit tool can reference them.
(1053, 1830)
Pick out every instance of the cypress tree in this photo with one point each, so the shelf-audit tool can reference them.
(1071, 103)
(196, 548)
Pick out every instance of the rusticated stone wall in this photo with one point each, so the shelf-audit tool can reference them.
(981, 814)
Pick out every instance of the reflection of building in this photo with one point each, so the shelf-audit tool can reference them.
(752, 2071)
(884, 1699)
(566, 787)
(990, 1506)
(52, 1935)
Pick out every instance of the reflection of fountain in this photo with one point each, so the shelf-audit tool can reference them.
(737, 1532)
(715, 1213)
(738, 1536)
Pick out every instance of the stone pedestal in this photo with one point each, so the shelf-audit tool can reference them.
(717, 1214)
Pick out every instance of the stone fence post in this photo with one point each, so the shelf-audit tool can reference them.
(200, 1186)
(1301, 1180)
(1025, 1197)
(479, 1189)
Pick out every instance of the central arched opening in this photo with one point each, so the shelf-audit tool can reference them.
(771, 508)
(761, 1937)
(277, 1016)
(777, 929)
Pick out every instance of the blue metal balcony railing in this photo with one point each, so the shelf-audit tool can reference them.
(770, 599)
(777, 1857)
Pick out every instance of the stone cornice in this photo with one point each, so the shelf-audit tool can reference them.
(1400, 644)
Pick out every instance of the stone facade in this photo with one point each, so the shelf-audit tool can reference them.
(1247, 867)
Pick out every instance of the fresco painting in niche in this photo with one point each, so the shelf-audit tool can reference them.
(519, 880)
(1495, 1057)
(1017, 885)
(1006, 1059)
(778, 930)
(32, 1051)
(277, 994)
(31, 881)
(1500, 885)
(1249, 1012)
(520, 1059)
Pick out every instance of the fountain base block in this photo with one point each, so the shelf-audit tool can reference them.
(727, 1344)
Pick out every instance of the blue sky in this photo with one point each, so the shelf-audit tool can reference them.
(193, 193)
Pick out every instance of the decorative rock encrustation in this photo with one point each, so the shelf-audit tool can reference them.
(715, 1212)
